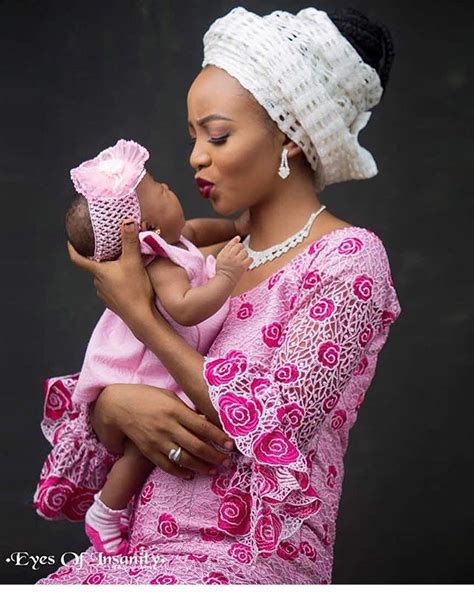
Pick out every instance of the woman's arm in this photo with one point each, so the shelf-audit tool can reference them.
(208, 231)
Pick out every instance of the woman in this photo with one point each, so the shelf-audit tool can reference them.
(274, 117)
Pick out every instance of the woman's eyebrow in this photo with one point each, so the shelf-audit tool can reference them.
(211, 117)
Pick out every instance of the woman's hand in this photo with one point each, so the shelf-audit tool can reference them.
(122, 285)
(156, 420)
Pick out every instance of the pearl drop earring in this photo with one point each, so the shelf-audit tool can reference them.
(284, 169)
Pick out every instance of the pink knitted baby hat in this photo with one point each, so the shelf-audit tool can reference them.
(109, 182)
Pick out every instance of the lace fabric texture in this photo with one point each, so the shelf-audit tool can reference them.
(288, 374)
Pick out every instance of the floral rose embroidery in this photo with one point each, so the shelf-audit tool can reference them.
(331, 476)
(290, 415)
(53, 495)
(287, 550)
(303, 480)
(362, 287)
(167, 525)
(350, 246)
(245, 311)
(259, 386)
(366, 335)
(338, 419)
(387, 318)
(274, 278)
(330, 402)
(292, 301)
(265, 480)
(57, 400)
(272, 334)
(198, 558)
(267, 531)
(310, 458)
(223, 370)
(328, 354)
(308, 550)
(362, 366)
(303, 511)
(95, 578)
(147, 492)
(234, 512)
(287, 373)
(239, 415)
(134, 571)
(77, 505)
(275, 448)
(322, 310)
(215, 577)
(360, 400)
(164, 579)
(316, 247)
(241, 553)
(311, 279)
(220, 483)
(211, 534)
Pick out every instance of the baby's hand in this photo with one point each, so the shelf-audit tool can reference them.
(233, 260)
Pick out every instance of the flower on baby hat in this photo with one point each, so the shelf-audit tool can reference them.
(113, 173)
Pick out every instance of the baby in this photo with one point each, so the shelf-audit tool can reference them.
(192, 293)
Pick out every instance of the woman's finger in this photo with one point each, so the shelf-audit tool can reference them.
(204, 428)
(83, 262)
(197, 450)
(130, 243)
(161, 460)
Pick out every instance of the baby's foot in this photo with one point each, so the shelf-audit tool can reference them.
(103, 527)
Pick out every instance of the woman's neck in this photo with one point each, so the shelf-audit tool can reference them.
(281, 216)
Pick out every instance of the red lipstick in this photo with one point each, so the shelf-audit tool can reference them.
(205, 187)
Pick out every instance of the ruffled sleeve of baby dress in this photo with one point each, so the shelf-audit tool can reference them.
(274, 411)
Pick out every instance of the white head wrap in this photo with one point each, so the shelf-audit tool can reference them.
(309, 79)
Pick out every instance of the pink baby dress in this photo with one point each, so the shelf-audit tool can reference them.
(114, 355)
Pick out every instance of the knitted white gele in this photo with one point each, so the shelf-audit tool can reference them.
(310, 80)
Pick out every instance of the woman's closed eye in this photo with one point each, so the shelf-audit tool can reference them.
(219, 140)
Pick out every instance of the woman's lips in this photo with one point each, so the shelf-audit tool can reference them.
(205, 187)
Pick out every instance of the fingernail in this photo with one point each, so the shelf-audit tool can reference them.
(212, 471)
(229, 445)
(190, 476)
(129, 226)
(227, 462)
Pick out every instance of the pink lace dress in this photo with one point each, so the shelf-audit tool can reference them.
(288, 374)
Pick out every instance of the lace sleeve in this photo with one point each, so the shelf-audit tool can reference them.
(78, 463)
(275, 413)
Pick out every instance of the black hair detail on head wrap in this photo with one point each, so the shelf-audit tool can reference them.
(372, 40)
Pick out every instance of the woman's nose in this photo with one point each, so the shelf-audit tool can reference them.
(199, 158)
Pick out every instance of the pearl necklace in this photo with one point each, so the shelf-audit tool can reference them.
(261, 257)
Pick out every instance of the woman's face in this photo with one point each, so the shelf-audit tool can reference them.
(241, 153)
(160, 208)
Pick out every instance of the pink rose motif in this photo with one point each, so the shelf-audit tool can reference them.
(147, 493)
(350, 246)
(77, 505)
(303, 511)
(287, 550)
(303, 480)
(57, 433)
(57, 400)
(265, 479)
(322, 310)
(287, 373)
(328, 354)
(274, 278)
(215, 577)
(53, 495)
(308, 550)
(198, 558)
(167, 525)
(362, 366)
(387, 318)
(211, 533)
(239, 415)
(316, 247)
(362, 287)
(163, 579)
(234, 512)
(310, 457)
(245, 311)
(338, 419)
(60, 574)
(241, 553)
(94, 579)
(331, 476)
(330, 402)
(274, 448)
(325, 539)
(259, 386)
(224, 370)
(293, 301)
(272, 334)
(311, 279)
(366, 335)
(220, 483)
(290, 415)
(134, 571)
(267, 531)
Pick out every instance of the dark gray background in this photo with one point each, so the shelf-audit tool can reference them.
(75, 77)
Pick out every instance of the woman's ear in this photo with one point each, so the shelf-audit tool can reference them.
(292, 147)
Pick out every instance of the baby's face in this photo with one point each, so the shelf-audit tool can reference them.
(160, 208)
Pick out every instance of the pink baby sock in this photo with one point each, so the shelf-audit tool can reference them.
(103, 527)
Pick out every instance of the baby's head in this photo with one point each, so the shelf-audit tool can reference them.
(111, 187)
